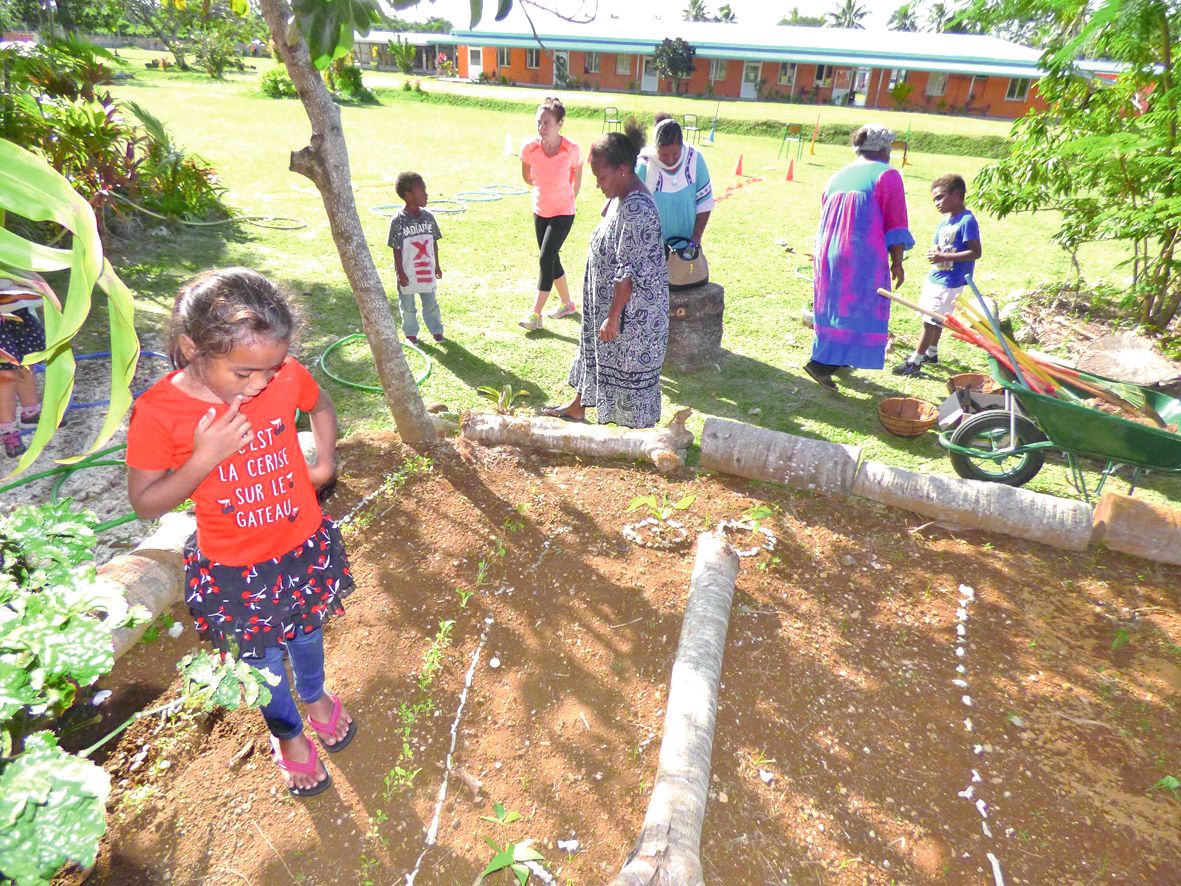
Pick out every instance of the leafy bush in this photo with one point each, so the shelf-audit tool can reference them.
(348, 83)
(215, 47)
(172, 182)
(403, 54)
(900, 93)
(277, 83)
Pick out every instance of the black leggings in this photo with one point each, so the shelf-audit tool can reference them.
(551, 234)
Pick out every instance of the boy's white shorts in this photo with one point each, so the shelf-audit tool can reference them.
(938, 299)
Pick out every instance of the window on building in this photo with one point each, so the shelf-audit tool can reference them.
(896, 77)
(474, 57)
(787, 74)
(1018, 90)
(623, 65)
(717, 69)
(533, 58)
(823, 75)
(937, 83)
(591, 65)
(503, 57)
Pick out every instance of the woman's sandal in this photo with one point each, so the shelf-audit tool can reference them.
(559, 412)
(307, 767)
(329, 728)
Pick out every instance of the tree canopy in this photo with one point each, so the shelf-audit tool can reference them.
(674, 60)
(802, 21)
(847, 14)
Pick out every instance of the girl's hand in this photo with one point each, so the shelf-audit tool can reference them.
(217, 438)
(610, 328)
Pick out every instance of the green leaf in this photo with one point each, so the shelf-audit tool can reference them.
(641, 501)
(477, 10)
(503, 8)
(685, 502)
(52, 810)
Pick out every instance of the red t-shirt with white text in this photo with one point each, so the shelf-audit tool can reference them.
(257, 504)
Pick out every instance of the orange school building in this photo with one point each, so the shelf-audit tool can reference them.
(953, 73)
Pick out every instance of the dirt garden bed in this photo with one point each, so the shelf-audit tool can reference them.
(842, 745)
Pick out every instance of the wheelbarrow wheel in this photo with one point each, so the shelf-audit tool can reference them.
(990, 432)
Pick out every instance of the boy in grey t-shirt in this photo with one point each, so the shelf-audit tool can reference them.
(414, 237)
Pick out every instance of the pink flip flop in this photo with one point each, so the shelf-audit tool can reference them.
(308, 767)
(329, 728)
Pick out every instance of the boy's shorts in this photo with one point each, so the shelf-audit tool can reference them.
(938, 299)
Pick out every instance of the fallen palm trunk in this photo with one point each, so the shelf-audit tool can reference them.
(152, 575)
(664, 447)
(973, 504)
(1137, 527)
(759, 454)
(668, 851)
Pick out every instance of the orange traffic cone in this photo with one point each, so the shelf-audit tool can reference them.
(738, 171)
(791, 171)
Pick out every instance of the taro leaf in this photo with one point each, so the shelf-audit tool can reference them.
(52, 810)
(15, 691)
(511, 857)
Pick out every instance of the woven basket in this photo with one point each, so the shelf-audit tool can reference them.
(973, 381)
(907, 416)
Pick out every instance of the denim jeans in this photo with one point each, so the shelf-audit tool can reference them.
(430, 313)
(306, 652)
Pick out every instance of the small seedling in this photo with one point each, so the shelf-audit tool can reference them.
(1122, 639)
(464, 596)
(1169, 783)
(760, 759)
(502, 816)
(505, 398)
(499, 547)
(756, 515)
(662, 509)
(511, 525)
(482, 572)
(512, 856)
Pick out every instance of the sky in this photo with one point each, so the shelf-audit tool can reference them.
(752, 12)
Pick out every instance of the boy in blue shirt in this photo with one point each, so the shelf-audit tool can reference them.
(955, 248)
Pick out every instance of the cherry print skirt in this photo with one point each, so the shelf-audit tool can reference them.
(269, 603)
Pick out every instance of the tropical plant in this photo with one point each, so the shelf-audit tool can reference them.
(277, 83)
(727, 15)
(696, 11)
(900, 93)
(505, 398)
(661, 508)
(1104, 153)
(170, 181)
(56, 620)
(348, 82)
(802, 21)
(403, 53)
(32, 190)
(848, 14)
(904, 18)
(674, 60)
(939, 17)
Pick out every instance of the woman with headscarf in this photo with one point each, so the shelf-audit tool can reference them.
(859, 245)
(624, 298)
(676, 175)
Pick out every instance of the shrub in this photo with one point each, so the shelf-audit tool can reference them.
(503, 80)
(172, 182)
(900, 93)
(406, 87)
(350, 85)
(277, 83)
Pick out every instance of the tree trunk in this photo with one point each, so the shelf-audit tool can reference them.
(668, 851)
(326, 162)
(760, 454)
(664, 447)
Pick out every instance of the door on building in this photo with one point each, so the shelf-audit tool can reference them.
(649, 79)
(475, 63)
(842, 83)
(860, 87)
(561, 68)
(750, 80)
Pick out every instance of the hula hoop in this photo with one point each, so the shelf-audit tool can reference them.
(373, 389)
(505, 190)
(477, 197)
(456, 207)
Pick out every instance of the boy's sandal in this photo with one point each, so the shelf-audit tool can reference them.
(329, 729)
(307, 767)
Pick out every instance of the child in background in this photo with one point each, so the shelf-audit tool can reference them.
(21, 333)
(956, 246)
(414, 237)
(266, 567)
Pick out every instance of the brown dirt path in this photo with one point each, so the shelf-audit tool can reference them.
(841, 745)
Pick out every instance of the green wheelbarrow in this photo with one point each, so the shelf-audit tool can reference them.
(1009, 445)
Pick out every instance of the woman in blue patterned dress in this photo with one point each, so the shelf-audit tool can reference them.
(625, 298)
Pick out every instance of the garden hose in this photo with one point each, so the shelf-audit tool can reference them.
(259, 221)
(373, 389)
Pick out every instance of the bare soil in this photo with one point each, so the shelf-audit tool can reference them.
(842, 744)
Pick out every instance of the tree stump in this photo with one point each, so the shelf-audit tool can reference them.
(695, 327)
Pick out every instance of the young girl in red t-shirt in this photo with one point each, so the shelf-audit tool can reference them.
(266, 567)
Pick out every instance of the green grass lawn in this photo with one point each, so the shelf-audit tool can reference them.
(489, 256)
